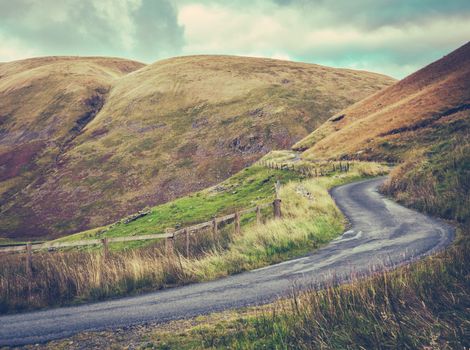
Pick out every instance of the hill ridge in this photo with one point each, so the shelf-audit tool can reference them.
(146, 137)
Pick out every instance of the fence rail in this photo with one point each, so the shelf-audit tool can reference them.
(29, 247)
(308, 170)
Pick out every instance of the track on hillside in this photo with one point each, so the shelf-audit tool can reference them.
(383, 234)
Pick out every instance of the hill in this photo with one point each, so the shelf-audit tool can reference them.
(86, 141)
(422, 121)
(44, 103)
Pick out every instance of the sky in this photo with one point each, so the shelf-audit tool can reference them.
(394, 37)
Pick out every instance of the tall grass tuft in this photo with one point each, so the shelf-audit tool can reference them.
(437, 182)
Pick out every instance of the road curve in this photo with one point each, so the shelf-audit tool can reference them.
(383, 234)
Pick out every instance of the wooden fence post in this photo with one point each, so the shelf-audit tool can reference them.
(29, 267)
(277, 188)
(277, 201)
(277, 208)
(105, 247)
(258, 215)
(29, 261)
(169, 246)
(186, 234)
(214, 229)
(169, 243)
(237, 222)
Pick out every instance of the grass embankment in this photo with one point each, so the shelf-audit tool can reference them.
(310, 219)
(424, 305)
(436, 180)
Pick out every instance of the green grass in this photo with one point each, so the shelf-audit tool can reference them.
(246, 189)
(6, 241)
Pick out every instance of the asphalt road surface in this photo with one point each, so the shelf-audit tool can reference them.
(383, 234)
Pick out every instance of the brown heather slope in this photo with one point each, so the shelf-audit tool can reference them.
(436, 94)
(423, 121)
(173, 127)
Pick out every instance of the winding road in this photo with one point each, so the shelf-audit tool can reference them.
(383, 234)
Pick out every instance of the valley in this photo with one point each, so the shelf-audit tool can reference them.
(352, 247)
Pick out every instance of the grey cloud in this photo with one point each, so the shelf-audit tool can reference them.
(378, 13)
(361, 13)
(148, 30)
(75, 27)
(162, 37)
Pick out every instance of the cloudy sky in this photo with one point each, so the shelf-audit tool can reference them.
(394, 37)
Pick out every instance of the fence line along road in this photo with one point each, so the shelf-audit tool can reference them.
(308, 170)
(169, 235)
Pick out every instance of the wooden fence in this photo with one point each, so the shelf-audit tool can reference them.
(169, 235)
(308, 170)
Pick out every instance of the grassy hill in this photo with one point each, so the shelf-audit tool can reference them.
(86, 141)
(423, 122)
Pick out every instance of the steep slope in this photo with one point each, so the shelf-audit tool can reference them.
(423, 120)
(436, 94)
(44, 104)
(167, 129)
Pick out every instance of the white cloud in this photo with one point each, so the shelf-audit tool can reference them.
(119, 16)
(213, 28)
(293, 32)
(11, 49)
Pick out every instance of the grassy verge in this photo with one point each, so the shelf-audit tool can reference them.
(310, 219)
(436, 181)
(418, 306)
(424, 305)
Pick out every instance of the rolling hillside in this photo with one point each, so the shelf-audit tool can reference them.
(44, 104)
(86, 141)
(423, 121)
